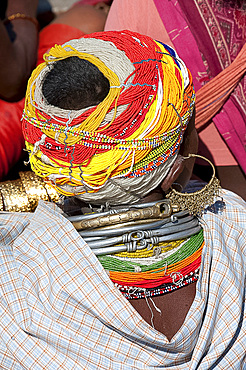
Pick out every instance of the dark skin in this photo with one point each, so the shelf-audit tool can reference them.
(174, 306)
(18, 58)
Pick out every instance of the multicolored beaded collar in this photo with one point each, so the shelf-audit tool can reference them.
(146, 249)
(167, 267)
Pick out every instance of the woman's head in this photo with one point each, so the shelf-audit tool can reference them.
(117, 146)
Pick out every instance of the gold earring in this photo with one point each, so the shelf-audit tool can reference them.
(196, 202)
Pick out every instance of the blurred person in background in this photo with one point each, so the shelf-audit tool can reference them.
(22, 47)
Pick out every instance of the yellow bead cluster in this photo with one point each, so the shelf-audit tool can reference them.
(145, 253)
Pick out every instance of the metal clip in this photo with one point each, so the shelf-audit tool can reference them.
(161, 209)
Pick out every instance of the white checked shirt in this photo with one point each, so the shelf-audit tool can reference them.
(59, 309)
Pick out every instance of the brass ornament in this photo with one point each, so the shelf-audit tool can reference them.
(1, 203)
(14, 197)
(23, 194)
(161, 209)
(196, 202)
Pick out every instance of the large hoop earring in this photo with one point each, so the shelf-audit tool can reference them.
(196, 202)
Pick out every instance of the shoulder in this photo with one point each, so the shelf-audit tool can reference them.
(225, 231)
(234, 211)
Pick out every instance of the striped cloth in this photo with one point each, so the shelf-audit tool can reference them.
(59, 309)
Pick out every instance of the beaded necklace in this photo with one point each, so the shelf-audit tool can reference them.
(150, 272)
(146, 249)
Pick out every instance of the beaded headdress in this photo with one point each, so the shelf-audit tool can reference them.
(120, 149)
